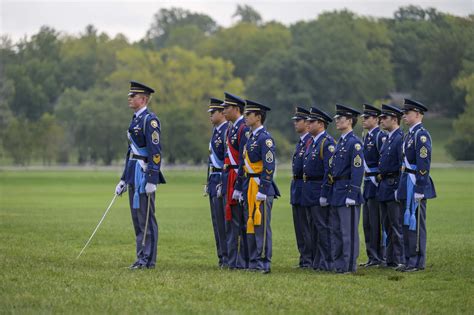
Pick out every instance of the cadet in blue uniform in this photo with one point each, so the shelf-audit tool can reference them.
(315, 178)
(371, 219)
(259, 188)
(389, 177)
(416, 185)
(300, 216)
(214, 181)
(234, 210)
(345, 178)
(142, 173)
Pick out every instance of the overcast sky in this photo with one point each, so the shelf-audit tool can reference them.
(132, 18)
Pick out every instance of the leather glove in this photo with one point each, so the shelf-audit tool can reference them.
(219, 190)
(150, 188)
(120, 188)
(350, 202)
(418, 197)
(261, 197)
(323, 201)
(396, 195)
(236, 195)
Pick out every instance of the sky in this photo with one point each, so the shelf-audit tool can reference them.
(22, 18)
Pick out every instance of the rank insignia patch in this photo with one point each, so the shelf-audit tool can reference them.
(269, 157)
(423, 172)
(269, 143)
(155, 137)
(423, 152)
(154, 123)
(357, 146)
(357, 161)
(331, 148)
(156, 158)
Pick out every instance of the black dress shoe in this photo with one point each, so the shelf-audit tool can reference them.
(150, 267)
(137, 266)
(412, 269)
(266, 271)
(364, 264)
(372, 263)
(400, 267)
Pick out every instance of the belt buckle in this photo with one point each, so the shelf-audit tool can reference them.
(305, 178)
(403, 168)
(225, 166)
(330, 179)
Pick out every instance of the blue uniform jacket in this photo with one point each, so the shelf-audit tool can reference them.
(216, 158)
(417, 150)
(391, 158)
(372, 144)
(316, 165)
(145, 132)
(346, 169)
(238, 135)
(297, 166)
(261, 147)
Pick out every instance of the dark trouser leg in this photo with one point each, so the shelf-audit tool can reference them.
(221, 229)
(304, 216)
(394, 217)
(214, 208)
(298, 232)
(375, 232)
(348, 251)
(263, 237)
(235, 242)
(145, 255)
(321, 220)
(416, 240)
(366, 226)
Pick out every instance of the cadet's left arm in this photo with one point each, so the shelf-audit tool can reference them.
(423, 161)
(267, 147)
(357, 170)
(153, 146)
(243, 142)
(328, 151)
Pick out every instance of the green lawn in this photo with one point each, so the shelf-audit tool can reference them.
(46, 217)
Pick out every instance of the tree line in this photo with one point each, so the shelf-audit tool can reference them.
(63, 98)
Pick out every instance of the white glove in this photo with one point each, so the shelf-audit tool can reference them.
(206, 191)
(236, 195)
(396, 195)
(219, 190)
(350, 202)
(120, 188)
(418, 197)
(261, 197)
(323, 201)
(150, 188)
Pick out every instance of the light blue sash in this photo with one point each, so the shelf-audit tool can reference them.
(409, 217)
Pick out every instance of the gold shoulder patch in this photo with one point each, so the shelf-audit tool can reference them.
(423, 139)
(423, 152)
(357, 161)
(156, 158)
(269, 143)
(331, 148)
(154, 123)
(357, 146)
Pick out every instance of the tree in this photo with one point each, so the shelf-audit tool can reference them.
(247, 14)
(19, 141)
(48, 138)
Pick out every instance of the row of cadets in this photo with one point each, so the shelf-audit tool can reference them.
(372, 219)
(238, 257)
(259, 189)
(213, 187)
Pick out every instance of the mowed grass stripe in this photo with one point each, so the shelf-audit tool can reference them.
(46, 217)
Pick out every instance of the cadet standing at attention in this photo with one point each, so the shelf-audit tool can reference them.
(315, 178)
(142, 173)
(415, 186)
(234, 211)
(391, 158)
(259, 188)
(371, 218)
(345, 197)
(300, 216)
(214, 180)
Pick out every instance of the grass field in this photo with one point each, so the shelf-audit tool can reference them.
(46, 217)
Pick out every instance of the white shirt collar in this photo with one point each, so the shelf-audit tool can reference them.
(304, 136)
(140, 111)
(392, 132)
(345, 134)
(256, 130)
(238, 119)
(316, 137)
(371, 130)
(220, 126)
(413, 127)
